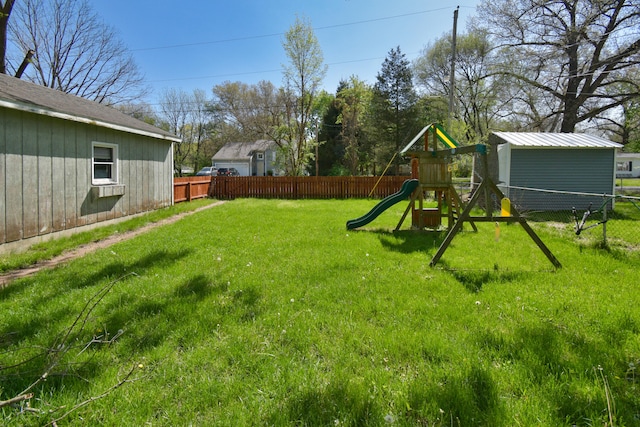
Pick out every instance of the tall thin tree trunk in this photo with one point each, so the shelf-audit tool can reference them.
(5, 11)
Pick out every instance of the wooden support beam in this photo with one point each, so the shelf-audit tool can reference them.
(457, 226)
(488, 186)
(410, 206)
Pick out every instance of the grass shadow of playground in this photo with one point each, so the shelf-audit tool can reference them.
(409, 241)
(472, 279)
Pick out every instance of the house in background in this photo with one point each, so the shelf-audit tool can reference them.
(67, 163)
(628, 165)
(565, 162)
(249, 158)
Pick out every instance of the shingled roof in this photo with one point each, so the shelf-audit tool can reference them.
(242, 150)
(25, 96)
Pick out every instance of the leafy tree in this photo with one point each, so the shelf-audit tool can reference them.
(321, 105)
(187, 116)
(478, 94)
(566, 54)
(302, 77)
(353, 102)
(433, 109)
(331, 151)
(199, 130)
(632, 125)
(252, 111)
(74, 51)
(624, 125)
(393, 107)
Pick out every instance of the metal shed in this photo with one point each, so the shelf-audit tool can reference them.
(546, 171)
(67, 163)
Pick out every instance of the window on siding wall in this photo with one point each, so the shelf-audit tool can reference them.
(104, 163)
(624, 167)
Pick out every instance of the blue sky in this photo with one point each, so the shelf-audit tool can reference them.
(197, 44)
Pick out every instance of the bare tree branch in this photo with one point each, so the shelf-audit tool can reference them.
(75, 51)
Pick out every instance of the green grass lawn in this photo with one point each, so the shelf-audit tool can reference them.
(628, 182)
(268, 312)
(49, 249)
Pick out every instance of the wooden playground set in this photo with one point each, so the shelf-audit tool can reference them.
(431, 173)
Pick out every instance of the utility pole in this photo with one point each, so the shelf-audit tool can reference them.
(25, 62)
(453, 66)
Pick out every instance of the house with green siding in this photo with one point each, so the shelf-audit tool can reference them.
(67, 164)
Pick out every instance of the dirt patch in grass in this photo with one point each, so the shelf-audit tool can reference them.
(8, 277)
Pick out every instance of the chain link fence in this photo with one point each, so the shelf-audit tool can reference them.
(605, 220)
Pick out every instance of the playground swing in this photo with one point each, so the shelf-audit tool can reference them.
(431, 172)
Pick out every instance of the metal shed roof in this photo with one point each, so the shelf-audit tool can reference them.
(555, 140)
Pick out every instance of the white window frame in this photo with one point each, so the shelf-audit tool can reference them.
(114, 164)
(260, 156)
(624, 166)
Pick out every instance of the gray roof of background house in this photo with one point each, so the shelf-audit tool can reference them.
(555, 140)
(26, 96)
(242, 150)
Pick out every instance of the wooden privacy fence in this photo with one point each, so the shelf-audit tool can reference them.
(190, 188)
(286, 187)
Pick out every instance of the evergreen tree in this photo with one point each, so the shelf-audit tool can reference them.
(393, 108)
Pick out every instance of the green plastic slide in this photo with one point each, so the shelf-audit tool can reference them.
(405, 191)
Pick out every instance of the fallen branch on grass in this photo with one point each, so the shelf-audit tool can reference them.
(61, 346)
(15, 400)
(98, 397)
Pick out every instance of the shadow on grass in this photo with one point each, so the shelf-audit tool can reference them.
(156, 259)
(567, 369)
(151, 322)
(50, 313)
(474, 280)
(408, 241)
(337, 404)
(196, 288)
(559, 363)
(54, 320)
(467, 398)
(246, 304)
(16, 287)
